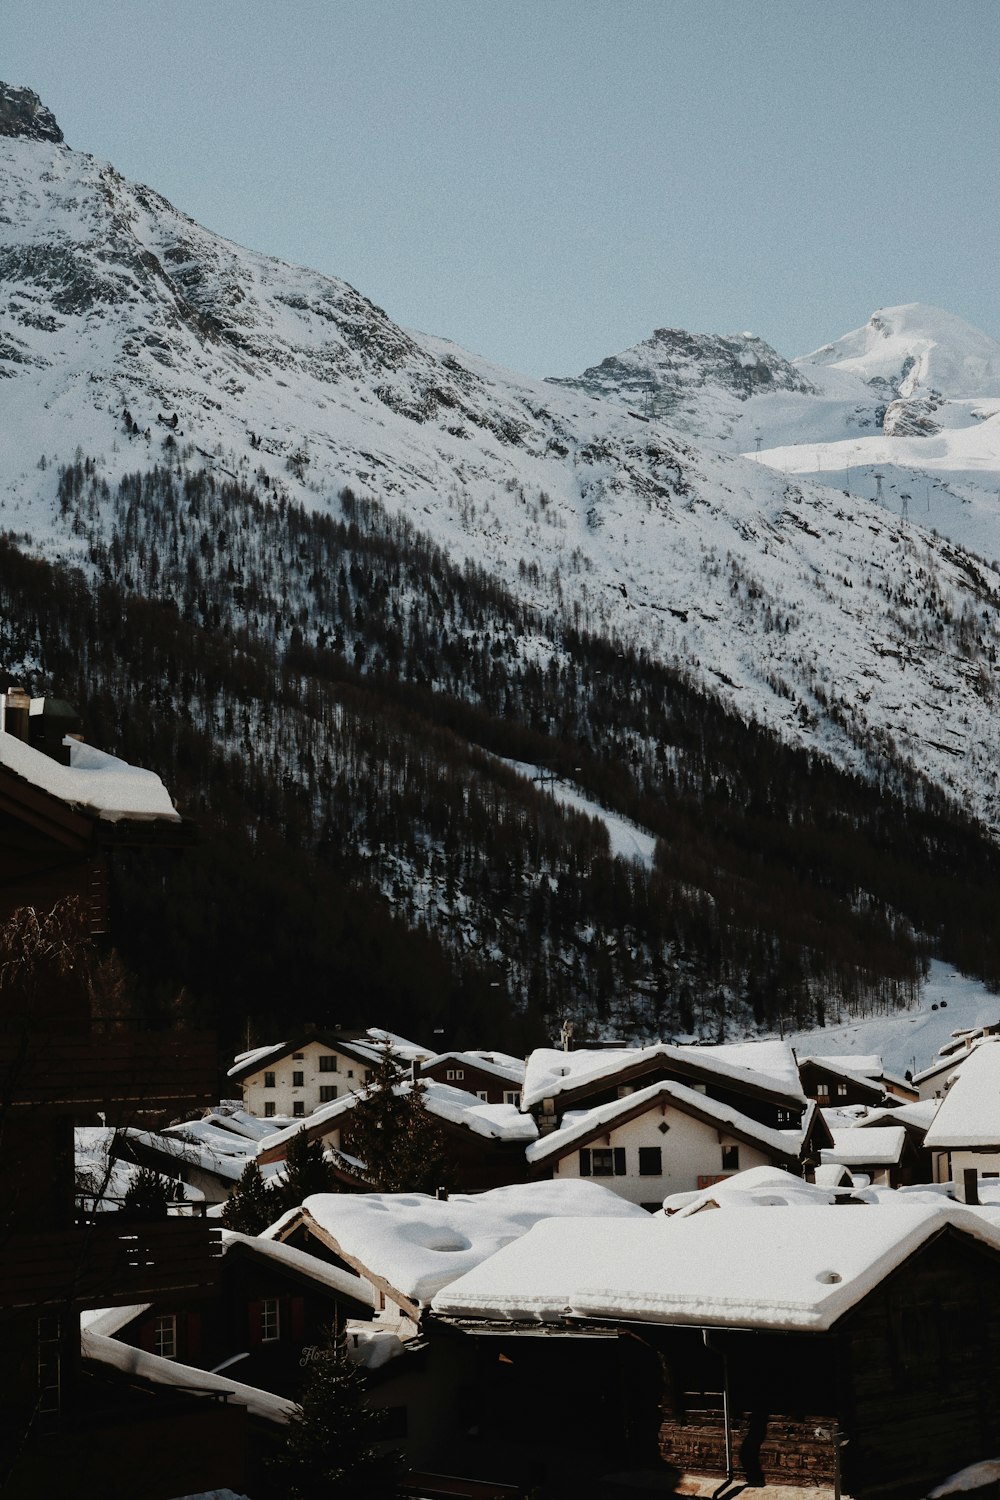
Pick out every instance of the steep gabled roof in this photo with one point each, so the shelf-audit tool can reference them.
(568, 1076)
(592, 1123)
(969, 1113)
(354, 1045)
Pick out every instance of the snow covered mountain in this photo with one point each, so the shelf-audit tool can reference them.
(857, 414)
(133, 335)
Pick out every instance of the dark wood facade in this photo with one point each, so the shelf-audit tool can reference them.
(460, 1073)
(278, 1343)
(900, 1393)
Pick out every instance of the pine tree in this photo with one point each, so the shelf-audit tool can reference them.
(394, 1134)
(252, 1205)
(145, 1197)
(306, 1170)
(331, 1445)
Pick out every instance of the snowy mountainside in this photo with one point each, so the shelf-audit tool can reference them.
(913, 397)
(833, 624)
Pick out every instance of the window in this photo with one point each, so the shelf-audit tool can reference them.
(650, 1161)
(350, 1072)
(730, 1158)
(453, 1073)
(165, 1336)
(484, 1095)
(269, 1080)
(841, 1090)
(785, 1117)
(512, 1096)
(270, 1320)
(822, 1090)
(297, 1056)
(327, 1093)
(298, 1108)
(298, 1078)
(269, 1109)
(327, 1063)
(603, 1162)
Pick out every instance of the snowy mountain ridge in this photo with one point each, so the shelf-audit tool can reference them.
(819, 615)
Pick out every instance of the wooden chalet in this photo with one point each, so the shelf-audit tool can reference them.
(491, 1078)
(556, 1083)
(846, 1349)
(486, 1143)
(836, 1086)
(273, 1308)
(59, 825)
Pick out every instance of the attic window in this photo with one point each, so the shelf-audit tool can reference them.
(454, 1073)
(269, 1080)
(327, 1063)
(730, 1158)
(297, 1056)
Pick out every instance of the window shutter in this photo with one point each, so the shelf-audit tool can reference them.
(584, 1162)
(253, 1322)
(620, 1168)
(298, 1317)
(192, 1336)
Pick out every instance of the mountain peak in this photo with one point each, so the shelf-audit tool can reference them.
(23, 114)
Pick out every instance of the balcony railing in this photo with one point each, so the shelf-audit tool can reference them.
(109, 1263)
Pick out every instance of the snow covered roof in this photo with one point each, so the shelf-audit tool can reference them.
(498, 1122)
(244, 1060)
(312, 1266)
(969, 1113)
(417, 1244)
(863, 1065)
(798, 1270)
(93, 782)
(915, 1117)
(169, 1372)
(580, 1125)
(511, 1069)
(760, 1066)
(227, 1164)
(878, 1146)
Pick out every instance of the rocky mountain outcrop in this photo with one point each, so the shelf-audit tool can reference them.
(23, 114)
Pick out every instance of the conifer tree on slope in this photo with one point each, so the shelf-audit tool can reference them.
(392, 1132)
(331, 1445)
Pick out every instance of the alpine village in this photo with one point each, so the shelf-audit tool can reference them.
(499, 969)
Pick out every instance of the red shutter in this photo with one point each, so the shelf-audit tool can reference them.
(192, 1336)
(298, 1317)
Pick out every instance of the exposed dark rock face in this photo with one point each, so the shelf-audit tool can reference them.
(912, 418)
(673, 364)
(23, 114)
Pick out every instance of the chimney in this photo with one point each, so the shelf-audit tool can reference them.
(970, 1179)
(17, 706)
(414, 1070)
(442, 1195)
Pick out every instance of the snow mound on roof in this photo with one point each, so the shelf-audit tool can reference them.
(757, 1187)
(93, 781)
(419, 1244)
(878, 1145)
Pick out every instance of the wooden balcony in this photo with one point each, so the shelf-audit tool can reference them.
(121, 1074)
(110, 1263)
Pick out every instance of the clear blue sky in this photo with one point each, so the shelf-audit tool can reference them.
(546, 181)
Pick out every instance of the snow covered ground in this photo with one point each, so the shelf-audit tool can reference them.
(910, 1039)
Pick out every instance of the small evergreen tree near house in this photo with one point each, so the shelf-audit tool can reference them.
(393, 1133)
(306, 1170)
(145, 1198)
(252, 1206)
(331, 1449)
